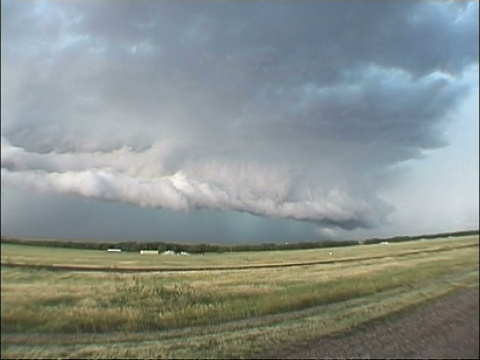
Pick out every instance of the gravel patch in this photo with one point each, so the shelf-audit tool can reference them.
(447, 328)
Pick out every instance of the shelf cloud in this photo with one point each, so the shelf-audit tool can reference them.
(297, 110)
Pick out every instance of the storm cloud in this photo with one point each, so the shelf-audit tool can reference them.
(297, 110)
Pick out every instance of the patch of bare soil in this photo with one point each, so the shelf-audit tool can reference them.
(447, 328)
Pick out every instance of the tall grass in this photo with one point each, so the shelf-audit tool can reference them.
(51, 302)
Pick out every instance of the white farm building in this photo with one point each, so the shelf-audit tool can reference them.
(148, 252)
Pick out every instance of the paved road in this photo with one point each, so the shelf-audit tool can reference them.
(445, 329)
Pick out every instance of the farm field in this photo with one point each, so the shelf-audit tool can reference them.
(51, 256)
(222, 311)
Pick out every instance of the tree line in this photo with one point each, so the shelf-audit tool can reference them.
(131, 246)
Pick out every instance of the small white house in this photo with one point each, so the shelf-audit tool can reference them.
(114, 250)
(148, 252)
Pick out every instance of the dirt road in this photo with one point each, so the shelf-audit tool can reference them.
(447, 328)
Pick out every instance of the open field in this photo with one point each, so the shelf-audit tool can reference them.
(63, 257)
(229, 313)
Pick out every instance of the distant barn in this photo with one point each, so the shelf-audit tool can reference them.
(148, 252)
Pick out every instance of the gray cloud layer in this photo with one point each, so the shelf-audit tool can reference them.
(290, 110)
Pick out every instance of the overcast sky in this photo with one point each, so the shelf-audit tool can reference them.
(238, 121)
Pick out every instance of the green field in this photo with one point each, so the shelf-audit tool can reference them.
(219, 310)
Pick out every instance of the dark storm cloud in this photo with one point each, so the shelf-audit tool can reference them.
(280, 109)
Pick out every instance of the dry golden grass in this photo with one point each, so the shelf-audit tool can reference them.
(216, 313)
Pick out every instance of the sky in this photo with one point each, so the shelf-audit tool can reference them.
(238, 121)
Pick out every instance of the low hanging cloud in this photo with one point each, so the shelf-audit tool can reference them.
(286, 110)
(139, 178)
